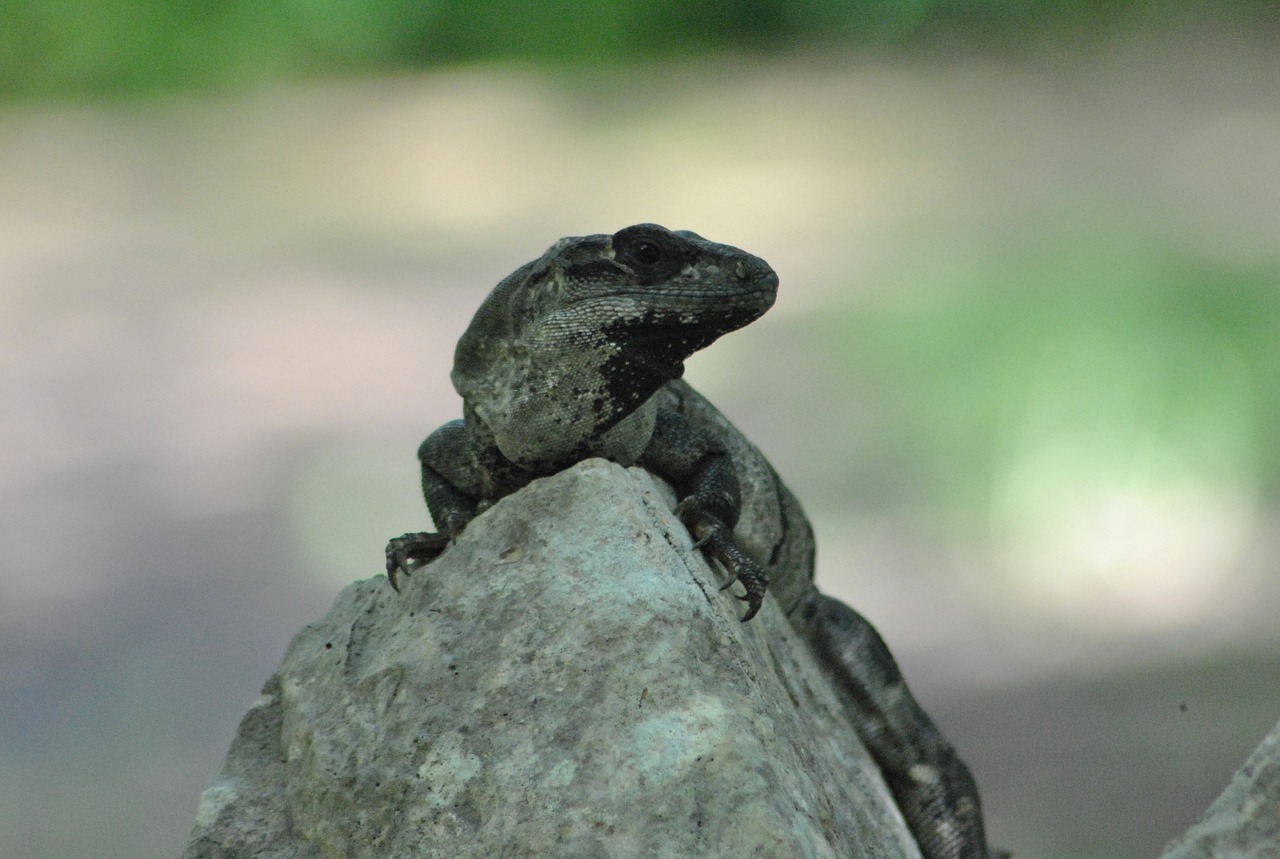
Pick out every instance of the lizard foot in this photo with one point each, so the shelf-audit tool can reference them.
(716, 541)
(410, 551)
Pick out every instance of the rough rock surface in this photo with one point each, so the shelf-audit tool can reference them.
(1244, 821)
(565, 681)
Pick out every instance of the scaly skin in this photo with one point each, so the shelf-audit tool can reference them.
(579, 354)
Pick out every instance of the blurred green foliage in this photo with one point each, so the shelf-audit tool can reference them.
(1108, 351)
(106, 47)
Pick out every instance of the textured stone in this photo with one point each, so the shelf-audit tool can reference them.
(567, 680)
(1244, 821)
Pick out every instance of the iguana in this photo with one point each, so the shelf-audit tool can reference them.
(579, 354)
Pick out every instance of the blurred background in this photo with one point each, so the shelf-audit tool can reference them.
(1023, 370)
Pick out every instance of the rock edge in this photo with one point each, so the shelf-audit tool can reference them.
(567, 680)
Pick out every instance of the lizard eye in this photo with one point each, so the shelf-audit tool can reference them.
(652, 253)
(646, 252)
(641, 246)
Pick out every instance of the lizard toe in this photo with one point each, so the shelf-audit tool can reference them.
(726, 553)
(410, 551)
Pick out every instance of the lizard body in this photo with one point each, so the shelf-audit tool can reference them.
(579, 354)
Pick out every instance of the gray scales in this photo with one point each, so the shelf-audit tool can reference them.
(578, 354)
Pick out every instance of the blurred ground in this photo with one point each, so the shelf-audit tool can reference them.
(1021, 371)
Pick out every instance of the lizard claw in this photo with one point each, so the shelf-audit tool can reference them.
(410, 551)
(742, 569)
(716, 541)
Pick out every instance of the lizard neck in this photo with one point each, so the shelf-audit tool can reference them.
(545, 416)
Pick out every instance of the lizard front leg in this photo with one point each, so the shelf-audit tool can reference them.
(930, 783)
(703, 472)
(447, 466)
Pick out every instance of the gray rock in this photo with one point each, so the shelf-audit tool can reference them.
(567, 680)
(1244, 822)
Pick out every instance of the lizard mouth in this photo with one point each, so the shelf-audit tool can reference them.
(756, 287)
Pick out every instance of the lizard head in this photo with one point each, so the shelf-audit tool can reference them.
(672, 293)
(604, 320)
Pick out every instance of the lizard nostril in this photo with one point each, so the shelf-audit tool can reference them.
(740, 269)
